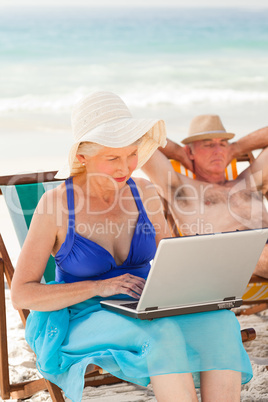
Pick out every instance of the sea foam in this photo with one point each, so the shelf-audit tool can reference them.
(172, 97)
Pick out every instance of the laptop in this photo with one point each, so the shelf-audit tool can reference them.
(194, 274)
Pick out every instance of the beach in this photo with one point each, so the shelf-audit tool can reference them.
(169, 64)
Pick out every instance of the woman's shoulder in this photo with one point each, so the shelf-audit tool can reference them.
(52, 199)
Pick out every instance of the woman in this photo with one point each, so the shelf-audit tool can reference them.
(103, 240)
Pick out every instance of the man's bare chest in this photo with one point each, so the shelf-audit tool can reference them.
(211, 208)
(209, 195)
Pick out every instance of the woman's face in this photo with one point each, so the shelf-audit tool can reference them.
(114, 163)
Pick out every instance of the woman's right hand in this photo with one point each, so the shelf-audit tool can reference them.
(124, 284)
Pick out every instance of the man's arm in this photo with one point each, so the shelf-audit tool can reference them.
(174, 151)
(258, 170)
(256, 140)
(261, 268)
(161, 174)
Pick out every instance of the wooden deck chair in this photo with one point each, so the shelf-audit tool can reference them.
(257, 290)
(22, 193)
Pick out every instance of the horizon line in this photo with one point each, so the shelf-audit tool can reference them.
(53, 5)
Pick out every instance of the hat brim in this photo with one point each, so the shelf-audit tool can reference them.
(120, 133)
(207, 136)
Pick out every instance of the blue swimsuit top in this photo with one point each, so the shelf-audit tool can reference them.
(80, 258)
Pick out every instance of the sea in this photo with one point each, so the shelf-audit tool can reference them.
(166, 63)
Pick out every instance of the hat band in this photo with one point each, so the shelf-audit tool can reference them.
(211, 132)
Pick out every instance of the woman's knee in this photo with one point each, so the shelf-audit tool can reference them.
(174, 388)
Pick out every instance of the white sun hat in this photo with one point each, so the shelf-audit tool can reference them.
(103, 118)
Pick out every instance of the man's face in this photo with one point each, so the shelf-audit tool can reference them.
(210, 155)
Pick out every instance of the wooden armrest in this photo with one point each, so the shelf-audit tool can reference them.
(248, 334)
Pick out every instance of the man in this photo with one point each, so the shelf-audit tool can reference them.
(210, 203)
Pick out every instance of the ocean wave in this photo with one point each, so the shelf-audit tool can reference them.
(184, 97)
(40, 103)
(178, 98)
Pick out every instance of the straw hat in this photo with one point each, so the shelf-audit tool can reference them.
(205, 127)
(103, 118)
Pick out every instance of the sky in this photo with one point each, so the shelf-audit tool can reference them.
(138, 3)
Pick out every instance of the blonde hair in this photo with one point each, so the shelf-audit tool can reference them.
(92, 148)
(89, 148)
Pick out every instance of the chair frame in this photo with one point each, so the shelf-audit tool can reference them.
(26, 389)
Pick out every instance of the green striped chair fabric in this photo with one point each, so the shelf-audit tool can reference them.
(21, 201)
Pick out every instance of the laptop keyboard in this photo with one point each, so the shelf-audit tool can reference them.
(130, 305)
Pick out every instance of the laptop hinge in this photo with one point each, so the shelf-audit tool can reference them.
(151, 308)
(229, 302)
